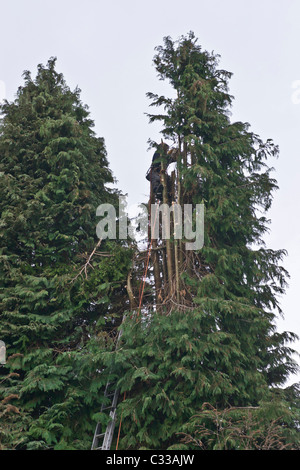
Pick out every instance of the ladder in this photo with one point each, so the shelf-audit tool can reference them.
(113, 393)
(107, 436)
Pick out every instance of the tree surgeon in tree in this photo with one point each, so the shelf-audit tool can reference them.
(210, 335)
(162, 158)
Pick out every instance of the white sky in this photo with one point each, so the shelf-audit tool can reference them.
(106, 48)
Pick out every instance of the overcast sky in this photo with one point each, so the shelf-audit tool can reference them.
(106, 48)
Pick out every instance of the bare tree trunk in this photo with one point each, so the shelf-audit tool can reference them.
(168, 242)
(177, 270)
(179, 200)
(132, 301)
(165, 274)
(156, 271)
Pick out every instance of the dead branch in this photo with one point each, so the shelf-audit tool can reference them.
(88, 264)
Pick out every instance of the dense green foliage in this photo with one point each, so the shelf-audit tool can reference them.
(53, 313)
(269, 426)
(218, 344)
(201, 364)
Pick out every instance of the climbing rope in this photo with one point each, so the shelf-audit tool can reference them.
(120, 425)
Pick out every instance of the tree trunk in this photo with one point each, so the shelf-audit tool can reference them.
(168, 241)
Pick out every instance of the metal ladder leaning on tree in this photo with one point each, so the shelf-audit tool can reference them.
(109, 391)
(107, 436)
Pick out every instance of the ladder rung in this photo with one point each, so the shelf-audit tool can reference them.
(111, 390)
(110, 384)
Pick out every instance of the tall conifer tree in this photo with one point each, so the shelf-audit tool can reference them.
(211, 336)
(55, 298)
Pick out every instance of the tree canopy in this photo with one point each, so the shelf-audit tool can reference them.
(209, 335)
(200, 363)
(55, 300)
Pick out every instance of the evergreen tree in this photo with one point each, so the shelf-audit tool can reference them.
(210, 335)
(57, 279)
